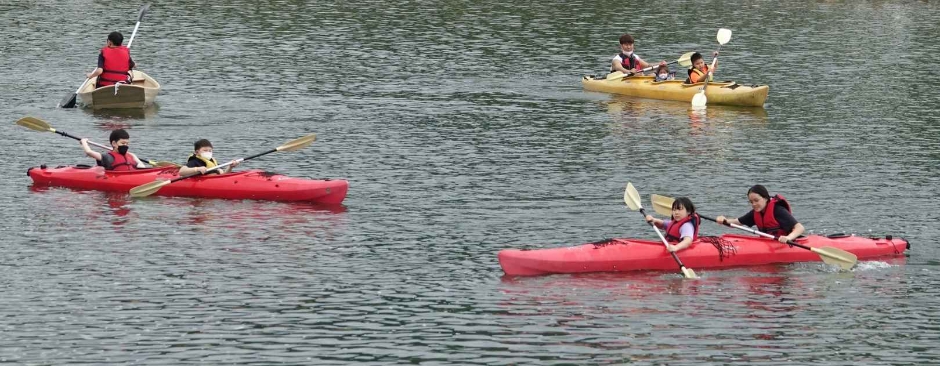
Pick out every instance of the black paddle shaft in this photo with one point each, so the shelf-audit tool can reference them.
(791, 242)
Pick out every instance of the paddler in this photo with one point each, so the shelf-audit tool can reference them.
(201, 160)
(682, 229)
(627, 61)
(118, 158)
(771, 215)
(700, 69)
(114, 62)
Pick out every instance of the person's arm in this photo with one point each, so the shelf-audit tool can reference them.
(685, 232)
(724, 221)
(88, 151)
(654, 221)
(788, 223)
(641, 64)
(192, 167)
(616, 65)
(100, 68)
(186, 170)
(140, 163)
(131, 63)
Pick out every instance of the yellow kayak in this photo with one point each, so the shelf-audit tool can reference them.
(718, 92)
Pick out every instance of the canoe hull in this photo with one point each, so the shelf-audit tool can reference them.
(250, 184)
(139, 94)
(718, 93)
(622, 255)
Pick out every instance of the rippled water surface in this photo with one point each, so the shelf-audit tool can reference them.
(463, 129)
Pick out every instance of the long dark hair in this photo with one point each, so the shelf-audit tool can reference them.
(760, 190)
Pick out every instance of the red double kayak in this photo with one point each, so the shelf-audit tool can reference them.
(621, 255)
(249, 184)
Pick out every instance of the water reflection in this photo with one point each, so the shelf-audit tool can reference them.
(623, 107)
(117, 116)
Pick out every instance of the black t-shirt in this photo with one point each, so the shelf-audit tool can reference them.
(195, 162)
(784, 218)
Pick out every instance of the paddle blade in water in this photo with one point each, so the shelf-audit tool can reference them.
(699, 100)
(632, 198)
(724, 35)
(68, 101)
(662, 204)
(836, 257)
(298, 143)
(34, 123)
(143, 10)
(147, 189)
(688, 273)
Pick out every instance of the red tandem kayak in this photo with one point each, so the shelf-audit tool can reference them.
(730, 250)
(249, 184)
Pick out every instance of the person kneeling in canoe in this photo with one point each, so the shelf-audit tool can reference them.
(699, 69)
(201, 160)
(114, 62)
(771, 215)
(682, 228)
(118, 158)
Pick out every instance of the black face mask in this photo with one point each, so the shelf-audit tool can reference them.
(122, 149)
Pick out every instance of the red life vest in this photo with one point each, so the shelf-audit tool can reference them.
(672, 233)
(766, 222)
(627, 62)
(699, 73)
(122, 162)
(117, 62)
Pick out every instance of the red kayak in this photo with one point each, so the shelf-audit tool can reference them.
(249, 184)
(729, 250)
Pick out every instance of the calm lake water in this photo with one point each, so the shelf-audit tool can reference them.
(463, 129)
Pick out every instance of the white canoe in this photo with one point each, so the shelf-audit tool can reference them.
(138, 94)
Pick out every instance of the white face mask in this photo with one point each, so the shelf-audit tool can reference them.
(663, 76)
(206, 155)
(628, 54)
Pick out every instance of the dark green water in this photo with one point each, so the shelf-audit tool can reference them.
(463, 129)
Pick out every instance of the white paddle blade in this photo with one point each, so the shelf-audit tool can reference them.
(686, 60)
(699, 100)
(724, 35)
(632, 198)
(689, 273)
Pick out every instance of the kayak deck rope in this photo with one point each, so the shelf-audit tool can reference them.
(604, 242)
(725, 248)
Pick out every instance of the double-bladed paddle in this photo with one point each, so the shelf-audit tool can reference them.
(700, 100)
(147, 189)
(829, 255)
(37, 124)
(632, 198)
(69, 100)
(685, 61)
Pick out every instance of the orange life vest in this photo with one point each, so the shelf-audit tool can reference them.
(698, 75)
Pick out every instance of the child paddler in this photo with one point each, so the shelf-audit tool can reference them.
(201, 160)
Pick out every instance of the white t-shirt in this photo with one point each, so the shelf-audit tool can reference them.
(619, 59)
